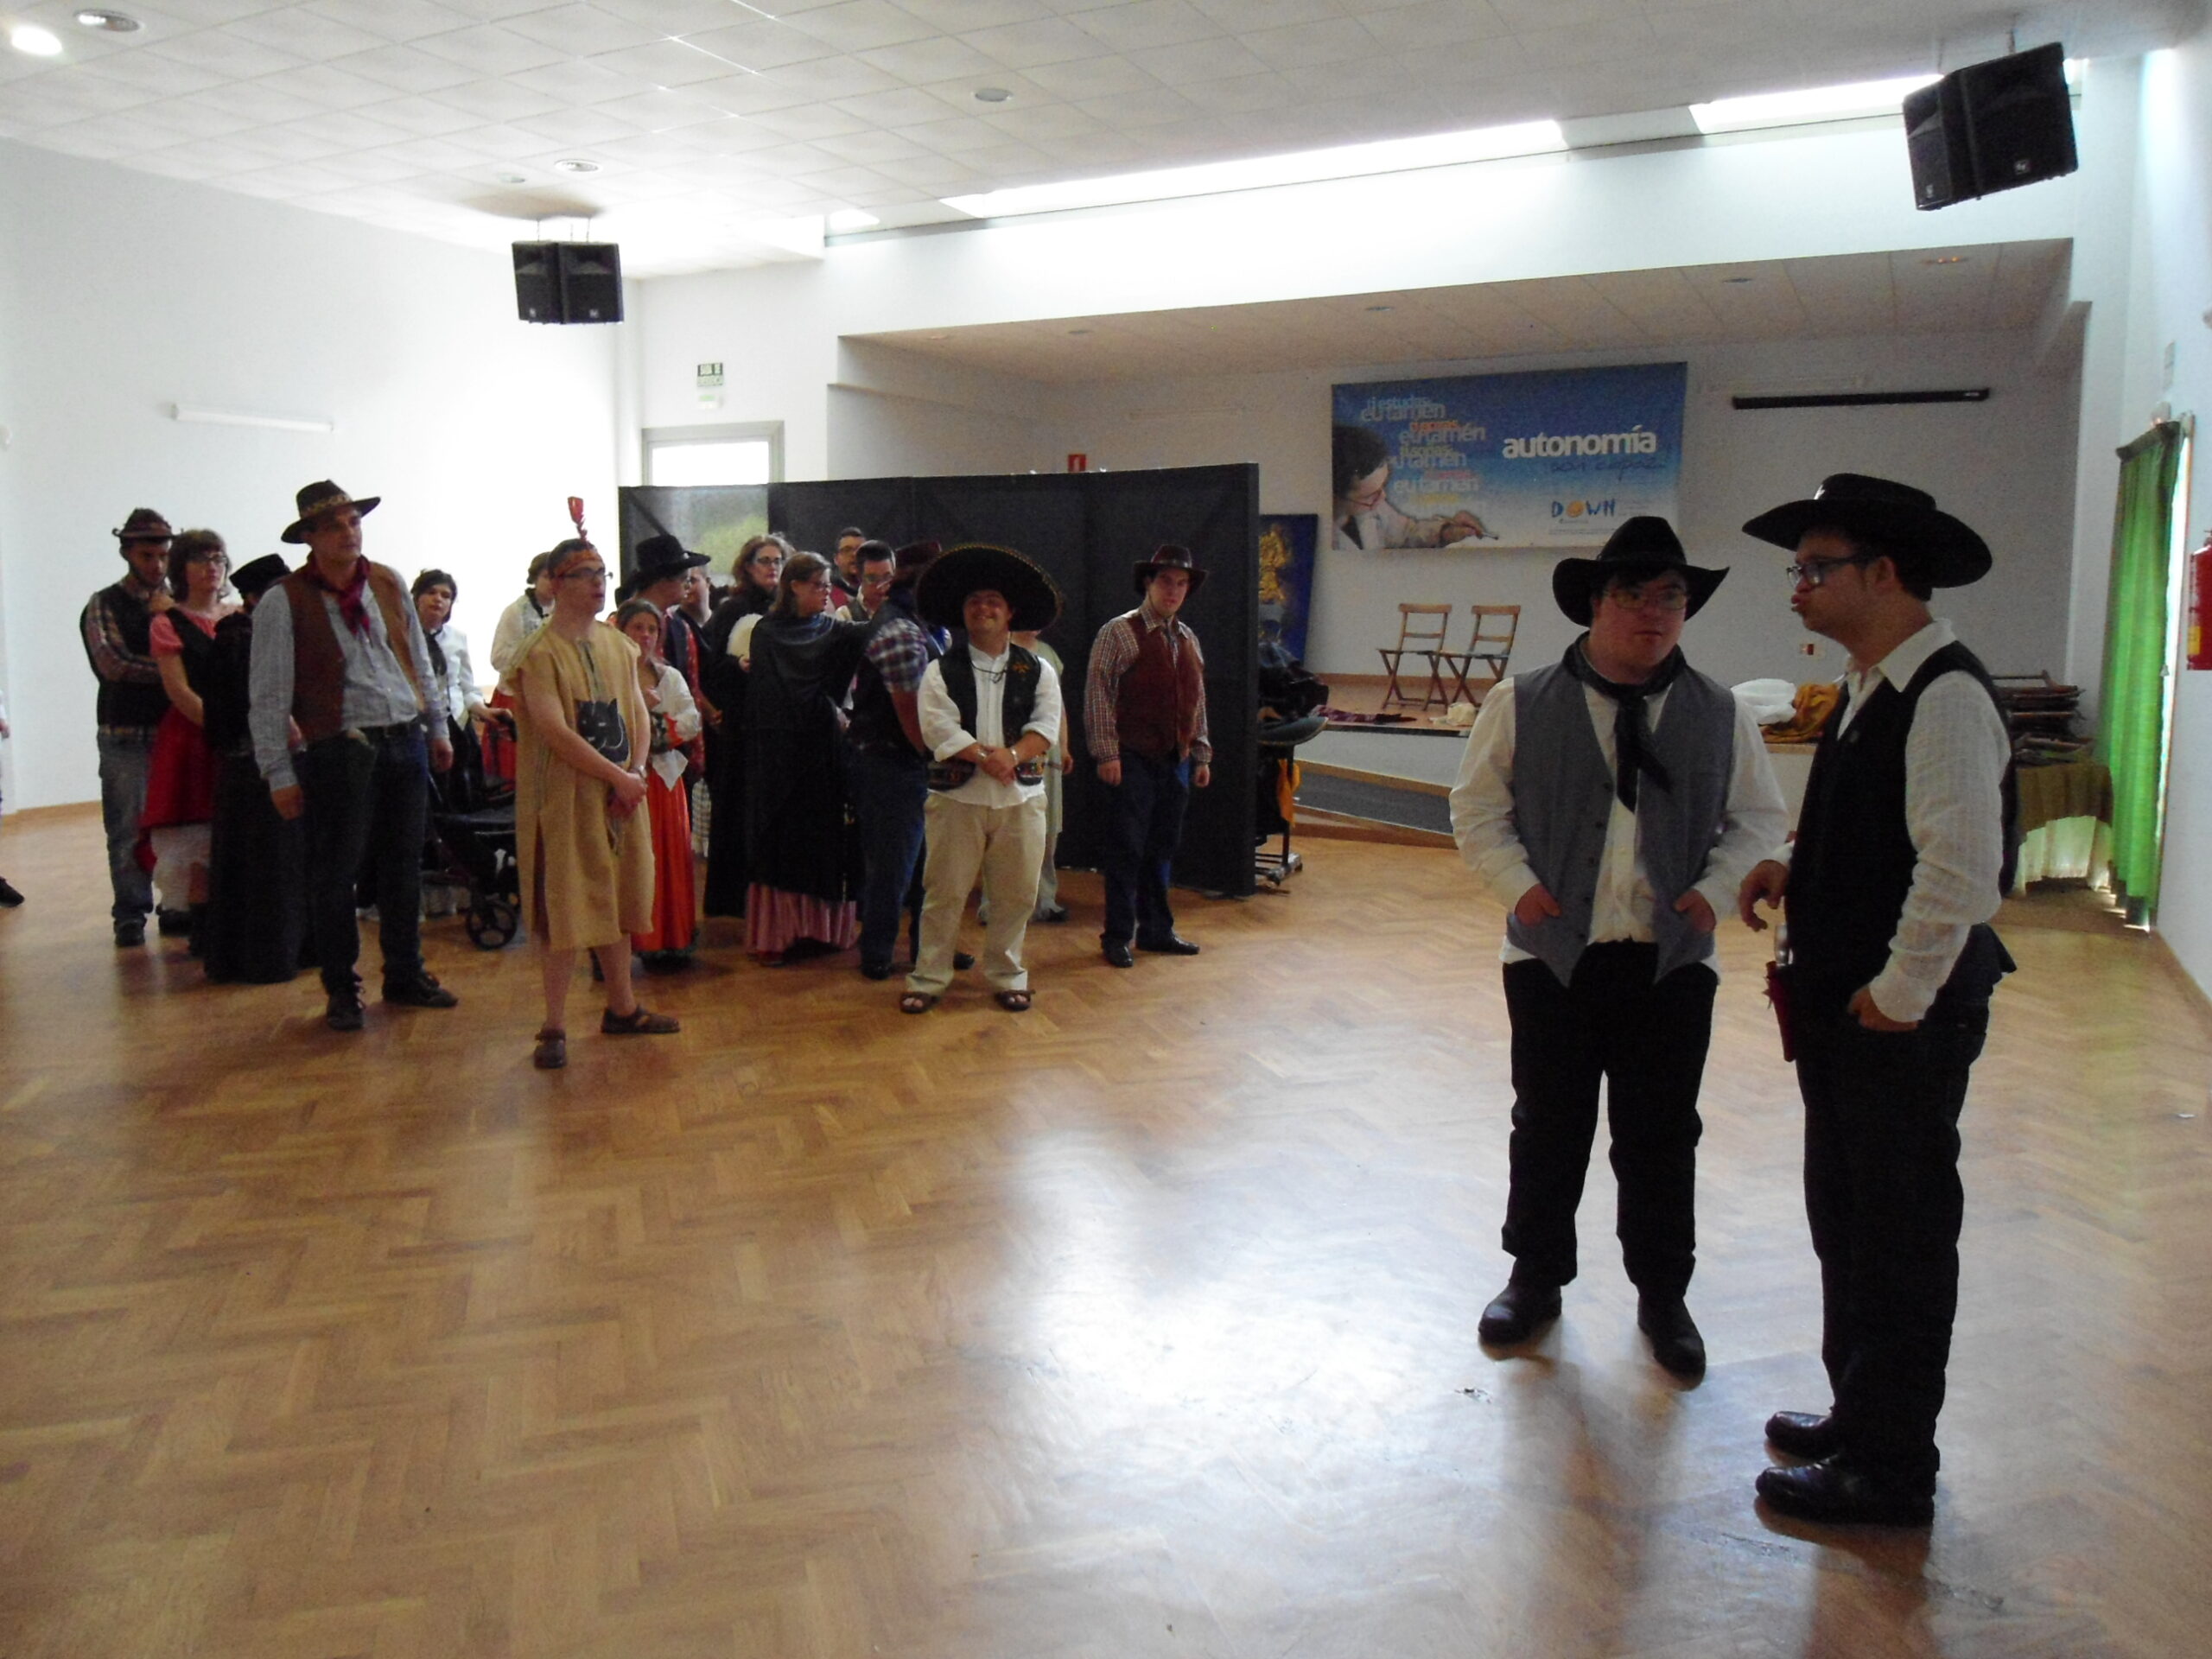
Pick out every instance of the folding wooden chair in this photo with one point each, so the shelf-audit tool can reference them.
(1420, 632)
(1491, 644)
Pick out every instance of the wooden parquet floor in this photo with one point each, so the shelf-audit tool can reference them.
(1142, 1324)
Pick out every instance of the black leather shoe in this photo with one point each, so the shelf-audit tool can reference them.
(1174, 945)
(874, 970)
(1118, 954)
(962, 961)
(128, 936)
(1675, 1342)
(1523, 1307)
(1835, 1494)
(173, 924)
(10, 897)
(420, 992)
(344, 1013)
(1806, 1434)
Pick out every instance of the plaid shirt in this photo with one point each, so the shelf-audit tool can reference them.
(900, 651)
(1111, 654)
(113, 657)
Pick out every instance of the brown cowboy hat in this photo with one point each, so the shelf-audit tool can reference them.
(943, 591)
(320, 498)
(144, 524)
(1643, 545)
(1168, 556)
(1932, 543)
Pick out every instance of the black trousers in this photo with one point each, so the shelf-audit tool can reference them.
(1646, 1042)
(366, 794)
(1883, 1197)
(1141, 842)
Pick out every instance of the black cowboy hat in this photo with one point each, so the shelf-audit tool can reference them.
(1643, 545)
(258, 575)
(1169, 558)
(318, 497)
(945, 587)
(144, 524)
(1933, 544)
(661, 556)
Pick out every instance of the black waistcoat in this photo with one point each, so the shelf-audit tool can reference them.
(875, 716)
(1019, 701)
(124, 702)
(1853, 865)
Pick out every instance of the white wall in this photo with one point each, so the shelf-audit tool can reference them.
(2006, 465)
(2173, 286)
(1817, 193)
(121, 293)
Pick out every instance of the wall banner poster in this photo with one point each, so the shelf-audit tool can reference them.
(1553, 459)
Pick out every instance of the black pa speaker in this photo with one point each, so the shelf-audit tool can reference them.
(568, 282)
(537, 283)
(1991, 126)
(591, 281)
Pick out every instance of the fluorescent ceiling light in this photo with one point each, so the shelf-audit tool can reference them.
(853, 219)
(39, 43)
(1306, 167)
(1817, 104)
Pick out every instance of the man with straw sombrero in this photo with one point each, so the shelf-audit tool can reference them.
(989, 709)
(1902, 856)
(1613, 801)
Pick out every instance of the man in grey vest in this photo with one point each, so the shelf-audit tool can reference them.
(1614, 801)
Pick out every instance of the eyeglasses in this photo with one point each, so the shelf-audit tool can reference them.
(1668, 600)
(1812, 573)
(584, 572)
(207, 558)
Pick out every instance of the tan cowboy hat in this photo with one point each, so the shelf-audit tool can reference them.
(320, 498)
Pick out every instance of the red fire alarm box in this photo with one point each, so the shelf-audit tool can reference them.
(1078, 462)
(2199, 642)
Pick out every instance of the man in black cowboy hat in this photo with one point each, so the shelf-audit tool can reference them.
(339, 655)
(663, 566)
(117, 625)
(989, 710)
(1902, 856)
(1614, 801)
(1144, 716)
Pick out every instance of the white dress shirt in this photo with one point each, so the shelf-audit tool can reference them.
(1755, 820)
(1954, 761)
(945, 736)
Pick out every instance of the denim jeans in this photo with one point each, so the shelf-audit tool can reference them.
(366, 794)
(888, 791)
(125, 761)
(1147, 828)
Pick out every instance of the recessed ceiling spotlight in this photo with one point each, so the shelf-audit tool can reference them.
(1379, 308)
(1946, 259)
(1736, 281)
(575, 166)
(991, 95)
(936, 336)
(512, 178)
(1079, 331)
(38, 42)
(115, 22)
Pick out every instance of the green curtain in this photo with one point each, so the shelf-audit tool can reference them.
(2132, 724)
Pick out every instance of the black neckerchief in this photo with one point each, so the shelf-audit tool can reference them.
(1631, 734)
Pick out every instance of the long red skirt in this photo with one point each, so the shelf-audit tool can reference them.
(676, 897)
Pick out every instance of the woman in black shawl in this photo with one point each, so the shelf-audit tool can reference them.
(801, 858)
(257, 922)
(722, 699)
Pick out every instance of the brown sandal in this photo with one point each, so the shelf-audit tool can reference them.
(638, 1022)
(1013, 1002)
(552, 1051)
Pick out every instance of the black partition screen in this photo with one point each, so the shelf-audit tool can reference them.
(1089, 530)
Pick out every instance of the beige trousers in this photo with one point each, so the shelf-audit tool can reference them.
(1004, 844)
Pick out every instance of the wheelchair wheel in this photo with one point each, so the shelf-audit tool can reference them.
(490, 923)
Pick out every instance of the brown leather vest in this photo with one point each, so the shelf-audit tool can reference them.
(1156, 706)
(318, 660)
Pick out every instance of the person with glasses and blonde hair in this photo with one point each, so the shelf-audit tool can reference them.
(175, 828)
(1613, 802)
(584, 843)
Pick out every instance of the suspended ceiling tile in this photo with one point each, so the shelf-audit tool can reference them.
(1146, 22)
(583, 31)
(760, 44)
(861, 25)
(918, 63)
(220, 52)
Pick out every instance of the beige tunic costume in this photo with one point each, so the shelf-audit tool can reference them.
(596, 871)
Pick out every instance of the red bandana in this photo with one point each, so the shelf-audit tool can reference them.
(349, 597)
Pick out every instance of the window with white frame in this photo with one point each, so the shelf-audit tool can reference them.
(714, 454)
